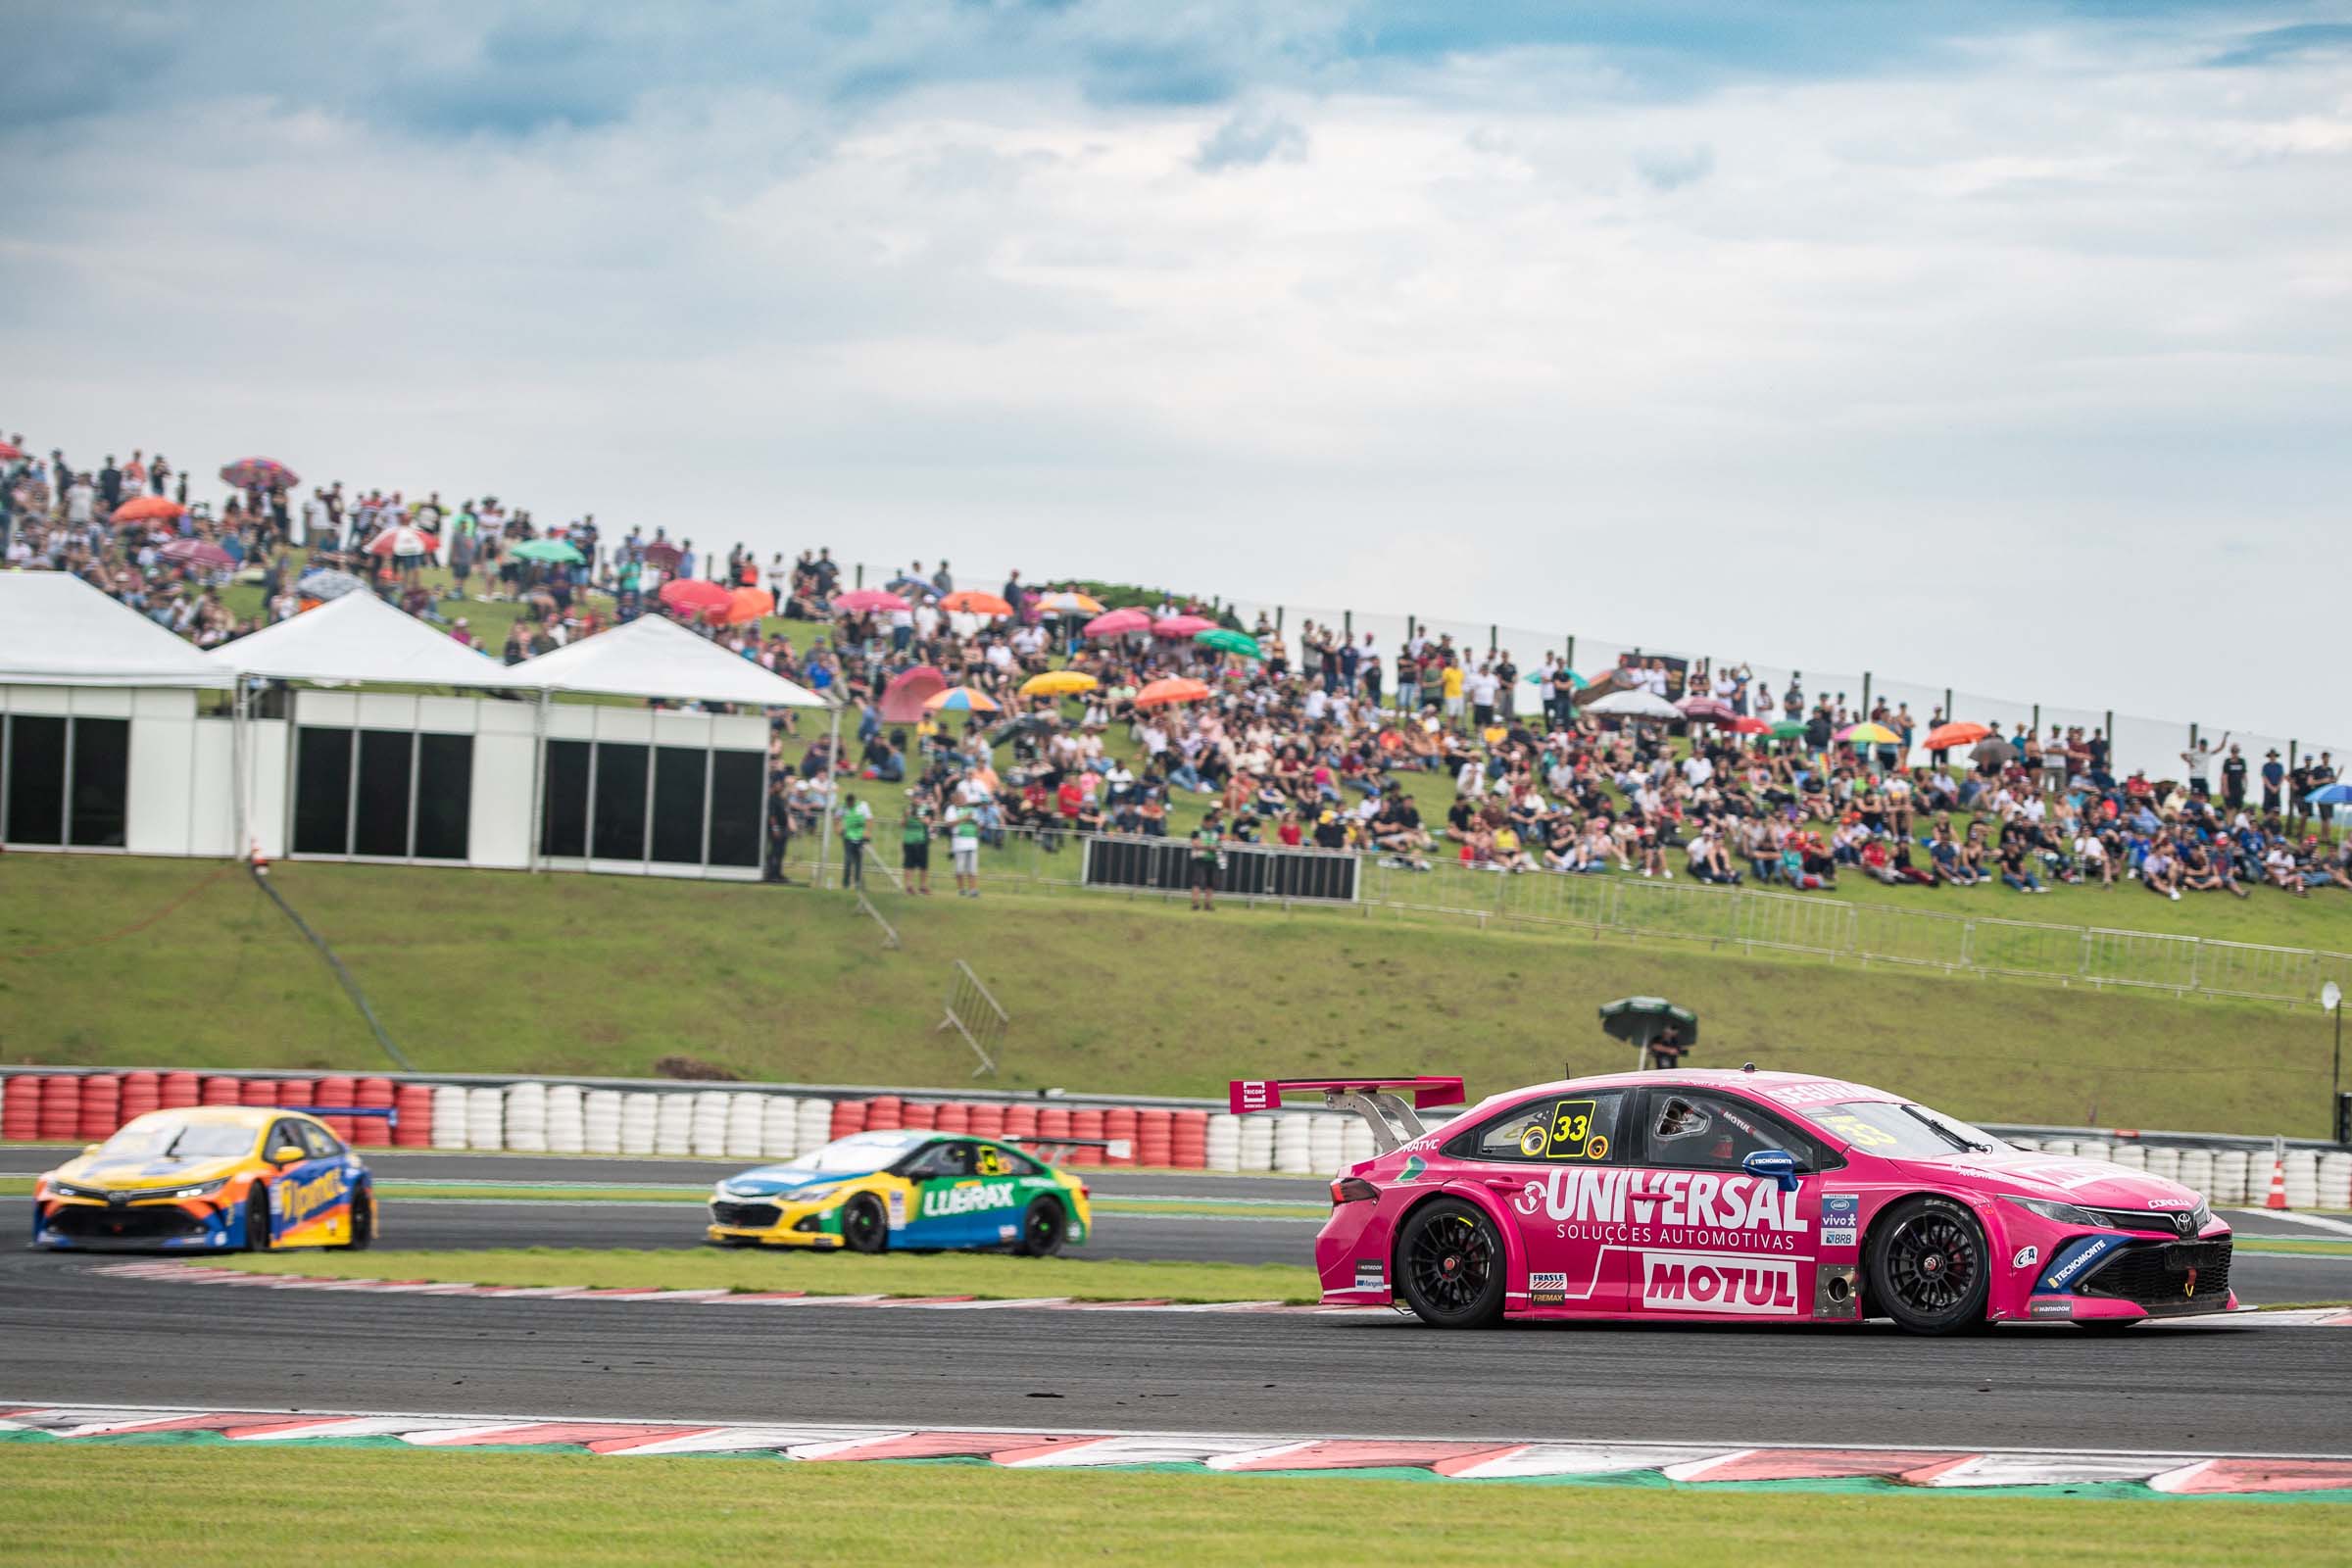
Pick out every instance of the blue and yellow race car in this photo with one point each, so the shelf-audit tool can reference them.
(211, 1178)
(909, 1190)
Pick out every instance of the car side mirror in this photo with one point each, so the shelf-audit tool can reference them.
(1774, 1165)
(286, 1155)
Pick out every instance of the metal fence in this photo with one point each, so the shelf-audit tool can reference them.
(1752, 921)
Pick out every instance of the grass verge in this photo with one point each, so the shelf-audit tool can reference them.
(228, 1506)
(982, 1274)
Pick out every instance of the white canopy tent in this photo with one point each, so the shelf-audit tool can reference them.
(359, 638)
(654, 657)
(57, 630)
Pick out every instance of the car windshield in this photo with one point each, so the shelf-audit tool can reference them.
(1904, 1131)
(178, 1140)
(859, 1155)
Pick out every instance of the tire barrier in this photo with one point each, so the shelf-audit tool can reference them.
(538, 1115)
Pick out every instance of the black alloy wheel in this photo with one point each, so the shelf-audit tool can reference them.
(1930, 1269)
(257, 1218)
(1042, 1227)
(863, 1225)
(363, 1220)
(1451, 1265)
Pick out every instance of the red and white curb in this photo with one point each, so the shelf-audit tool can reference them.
(1048, 1449)
(189, 1273)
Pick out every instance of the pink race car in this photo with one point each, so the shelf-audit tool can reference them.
(1696, 1195)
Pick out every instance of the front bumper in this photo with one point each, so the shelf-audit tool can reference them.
(2112, 1276)
(769, 1222)
(89, 1225)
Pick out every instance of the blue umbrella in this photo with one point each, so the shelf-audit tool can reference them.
(2332, 795)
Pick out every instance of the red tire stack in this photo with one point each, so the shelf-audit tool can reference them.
(100, 1108)
(258, 1091)
(1119, 1124)
(986, 1119)
(1188, 1140)
(1053, 1121)
(953, 1118)
(415, 1129)
(220, 1092)
(142, 1091)
(1086, 1124)
(848, 1117)
(919, 1115)
(1020, 1121)
(181, 1090)
(337, 1090)
(20, 1109)
(369, 1132)
(1153, 1132)
(298, 1092)
(61, 1110)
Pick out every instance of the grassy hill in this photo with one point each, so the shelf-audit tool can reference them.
(495, 972)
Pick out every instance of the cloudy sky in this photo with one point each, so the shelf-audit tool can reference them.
(2005, 346)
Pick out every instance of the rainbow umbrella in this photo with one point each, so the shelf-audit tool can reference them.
(1068, 603)
(1869, 734)
(960, 700)
(260, 474)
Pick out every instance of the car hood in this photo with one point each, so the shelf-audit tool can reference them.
(2091, 1183)
(777, 1181)
(137, 1174)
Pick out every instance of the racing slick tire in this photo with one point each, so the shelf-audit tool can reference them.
(1042, 1229)
(257, 1218)
(1929, 1267)
(1449, 1265)
(865, 1227)
(363, 1221)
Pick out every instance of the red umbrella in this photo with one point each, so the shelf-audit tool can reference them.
(1174, 689)
(747, 605)
(691, 596)
(1183, 626)
(1749, 726)
(1707, 709)
(1118, 622)
(664, 555)
(201, 552)
(140, 509)
(260, 474)
(1963, 733)
(10, 451)
(865, 599)
(403, 540)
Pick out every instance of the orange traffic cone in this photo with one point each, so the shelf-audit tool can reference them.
(2277, 1197)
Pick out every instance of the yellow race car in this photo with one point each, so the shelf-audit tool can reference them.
(872, 1191)
(209, 1178)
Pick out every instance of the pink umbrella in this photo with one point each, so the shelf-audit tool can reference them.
(691, 596)
(1117, 623)
(1181, 627)
(403, 540)
(861, 600)
(903, 698)
(200, 553)
(1707, 709)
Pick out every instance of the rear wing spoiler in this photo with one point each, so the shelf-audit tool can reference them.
(391, 1116)
(1050, 1150)
(1393, 1123)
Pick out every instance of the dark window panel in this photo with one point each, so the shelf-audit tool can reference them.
(380, 822)
(322, 792)
(563, 814)
(444, 796)
(678, 804)
(620, 801)
(37, 779)
(736, 807)
(101, 782)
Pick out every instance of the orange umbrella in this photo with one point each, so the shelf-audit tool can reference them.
(1945, 736)
(973, 602)
(1173, 688)
(745, 604)
(142, 509)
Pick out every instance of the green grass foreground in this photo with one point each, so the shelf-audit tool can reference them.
(252, 1503)
(493, 972)
(984, 1274)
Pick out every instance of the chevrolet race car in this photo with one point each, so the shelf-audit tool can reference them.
(1709, 1195)
(908, 1188)
(211, 1177)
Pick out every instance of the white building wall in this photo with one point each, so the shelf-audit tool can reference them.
(504, 749)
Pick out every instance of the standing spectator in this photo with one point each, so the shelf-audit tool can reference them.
(856, 818)
(915, 841)
(2233, 779)
(2274, 780)
(1205, 856)
(779, 828)
(963, 830)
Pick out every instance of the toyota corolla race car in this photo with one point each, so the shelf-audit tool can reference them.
(908, 1189)
(1691, 1195)
(213, 1178)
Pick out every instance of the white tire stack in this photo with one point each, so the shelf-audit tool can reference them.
(600, 1121)
(2233, 1178)
(640, 1122)
(449, 1117)
(779, 1127)
(2131, 1156)
(1325, 1145)
(1258, 1143)
(485, 1118)
(815, 1125)
(2095, 1149)
(2336, 1181)
(2196, 1173)
(2061, 1147)
(1224, 1141)
(746, 1121)
(2302, 1178)
(2165, 1160)
(526, 1117)
(674, 1128)
(1293, 1143)
(1356, 1144)
(567, 1119)
(707, 1134)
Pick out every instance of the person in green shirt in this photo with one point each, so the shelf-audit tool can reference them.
(855, 817)
(963, 837)
(914, 842)
(1206, 861)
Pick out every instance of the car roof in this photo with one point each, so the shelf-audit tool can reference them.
(254, 1116)
(1792, 1090)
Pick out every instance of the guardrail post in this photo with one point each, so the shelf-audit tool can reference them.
(1348, 625)
(1866, 693)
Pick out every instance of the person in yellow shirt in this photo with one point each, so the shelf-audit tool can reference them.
(1452, 681)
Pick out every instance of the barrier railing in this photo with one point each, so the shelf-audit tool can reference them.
(1756, 920)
